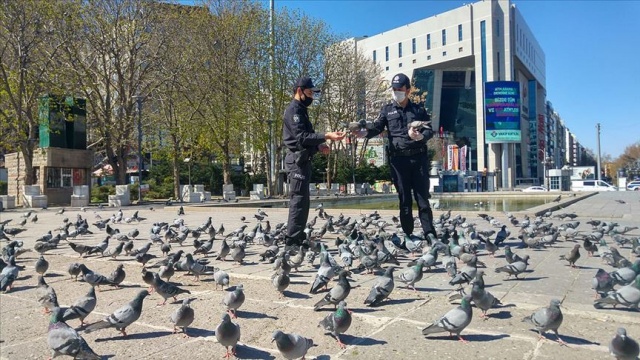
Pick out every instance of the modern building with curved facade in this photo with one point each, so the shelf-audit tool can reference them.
(451, 56)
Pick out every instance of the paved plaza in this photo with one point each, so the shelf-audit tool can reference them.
(390, 331)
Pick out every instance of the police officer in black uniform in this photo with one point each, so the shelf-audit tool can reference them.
(407, 153)
(302, 143)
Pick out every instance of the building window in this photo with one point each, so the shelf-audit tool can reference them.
(497, 27)
(428, 57)
(444, 53)
(374, 56)
(428, 41)
(386, 53)
(386, 68)
(460, 32)
(413, 45)
(444, 37)
(498, 61)
(460, 49)
(414, 61)
(400, 65)
(66, 177)
(399, 50)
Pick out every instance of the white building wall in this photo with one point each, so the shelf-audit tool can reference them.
(507, 36)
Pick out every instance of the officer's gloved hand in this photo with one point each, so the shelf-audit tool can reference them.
(414, 134)
(360, 133)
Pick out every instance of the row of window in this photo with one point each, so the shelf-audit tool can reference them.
(444, 53)
(414, 44)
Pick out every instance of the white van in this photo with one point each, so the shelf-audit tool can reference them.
(591, 185)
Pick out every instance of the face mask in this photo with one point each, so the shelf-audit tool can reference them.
(399, 96)
(307, 101)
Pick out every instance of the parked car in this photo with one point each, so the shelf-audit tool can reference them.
(534, 189)
(591, 185)
(634, 185)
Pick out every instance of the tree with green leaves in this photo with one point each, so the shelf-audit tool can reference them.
(29, 46)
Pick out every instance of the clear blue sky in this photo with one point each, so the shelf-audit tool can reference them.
(592, 53)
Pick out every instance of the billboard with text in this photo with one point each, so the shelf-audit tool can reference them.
(502, 111)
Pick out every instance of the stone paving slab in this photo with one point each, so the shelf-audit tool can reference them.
(388, 331)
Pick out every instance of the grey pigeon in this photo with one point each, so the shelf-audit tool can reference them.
(602, 282)
(117, 276)
(228, 335)
(234, 299)
(291, 346)
(94, 278)
(547, 318)
(454, 321)
(280, 282)
(74, 270)
(572, 256)
(337, 293)
(122, 317)
(46, 295)
(42, 265)
(224, 250)
(325, 273)
(628, 296)
(82, 307)
(183, 316)
(483, 299)
(8, 275)
(64, 340)
(166, 290)
(622, 347)
(221, 278)
(515, 268)
(238, 254)
(166, 271)
(412, 275)
(382, 287)
(338, 322)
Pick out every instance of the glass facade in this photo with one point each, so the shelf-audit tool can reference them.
(424, 80)
(428, 41)
(399, 50)
(460, 32)
(444, 37)
(458, 110)
(413, 45)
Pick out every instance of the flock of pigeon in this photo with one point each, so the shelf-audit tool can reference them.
(367, 244)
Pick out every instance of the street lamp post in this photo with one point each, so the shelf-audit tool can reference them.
(188, 162)
(139, 103)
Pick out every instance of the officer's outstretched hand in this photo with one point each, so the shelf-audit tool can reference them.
(414, 134)
(334, 136)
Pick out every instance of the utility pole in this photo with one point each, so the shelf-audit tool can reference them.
(139, 101)
(598, 159)
(272, 103)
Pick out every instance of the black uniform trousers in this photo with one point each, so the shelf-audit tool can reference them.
(412, 173)
(299, 175)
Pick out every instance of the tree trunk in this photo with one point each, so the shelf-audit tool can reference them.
(226, 169)
(176, 167)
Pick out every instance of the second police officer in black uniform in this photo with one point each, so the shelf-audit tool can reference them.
(407, 154)
(302, 142)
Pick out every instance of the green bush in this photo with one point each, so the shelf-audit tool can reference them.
(4, 187)
(100, 194)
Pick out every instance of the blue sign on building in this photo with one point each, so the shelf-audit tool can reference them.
(502, 111)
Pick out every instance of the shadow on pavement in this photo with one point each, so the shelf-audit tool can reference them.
(254, 315)
(500, 315)
(360, 341)
(195, 332)
(471, 337)
(247, 352)
(295, 295)
(137, 336)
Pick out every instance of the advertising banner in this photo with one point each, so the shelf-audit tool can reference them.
(502, 111)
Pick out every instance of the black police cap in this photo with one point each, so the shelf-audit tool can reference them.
(305, 83)
(400, 80)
